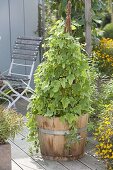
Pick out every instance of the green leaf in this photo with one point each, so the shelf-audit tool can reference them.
(63, 82)
(71, 118)
(61, 44)
(45, 85)
(73, 27)
(97, 21)
(51, 94)
(65, 101)
(63, 65)
(56, 85)
(49, 113)
(78, 109)
(71, 78)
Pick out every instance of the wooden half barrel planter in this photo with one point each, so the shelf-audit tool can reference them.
(52, 138)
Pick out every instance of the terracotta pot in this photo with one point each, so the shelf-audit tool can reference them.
(52, 138)
(5, 157)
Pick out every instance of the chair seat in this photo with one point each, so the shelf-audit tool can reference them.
(15, 83)
(13, 78)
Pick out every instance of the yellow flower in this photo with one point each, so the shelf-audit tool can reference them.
(101, 144)
(110, 150)
(104, 136)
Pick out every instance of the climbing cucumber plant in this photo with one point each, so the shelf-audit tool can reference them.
(62, 81)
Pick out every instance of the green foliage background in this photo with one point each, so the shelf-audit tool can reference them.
(108, 31)
(55, 9)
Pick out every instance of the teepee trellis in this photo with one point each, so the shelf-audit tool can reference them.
(88, 21)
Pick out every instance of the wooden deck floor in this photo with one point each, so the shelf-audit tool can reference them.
(22, 160)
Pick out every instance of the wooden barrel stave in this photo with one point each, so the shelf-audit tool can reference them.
(54, 146)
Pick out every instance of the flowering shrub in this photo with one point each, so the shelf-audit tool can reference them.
(104, 136)
(107, 92)
(104, 56)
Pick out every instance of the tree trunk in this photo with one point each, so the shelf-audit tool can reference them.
(88, 20)
(111, 10)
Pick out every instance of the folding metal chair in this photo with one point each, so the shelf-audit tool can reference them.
(17, 81)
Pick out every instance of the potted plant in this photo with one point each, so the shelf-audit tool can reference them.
(61, 102)
(10, 124)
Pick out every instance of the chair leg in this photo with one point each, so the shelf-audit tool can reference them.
(15, 93)
(20, 95)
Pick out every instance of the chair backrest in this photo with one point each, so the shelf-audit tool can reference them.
(25, 53)
(26, 48)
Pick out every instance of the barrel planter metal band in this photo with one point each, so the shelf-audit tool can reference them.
(60, 132)
(53, 138)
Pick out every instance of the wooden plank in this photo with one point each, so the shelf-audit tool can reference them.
(21, 141)
(51, 165)
(85, 163)
(15, 166)
(92, 162)
(22, 144)
(74, 165)
(25, 47)
(30, 38)
(89, 146)
(28, 42)
(24, 57)
(25, 52)
(22, 106)
(53, 132)
(23, 160)
(92, 140)
(90, 149)
(25, 132)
